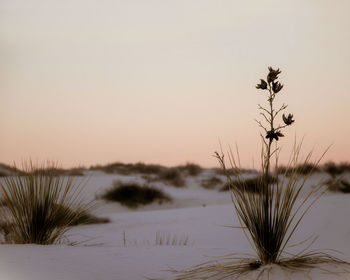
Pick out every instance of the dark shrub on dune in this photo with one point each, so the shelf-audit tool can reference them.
(129, 168)
(338, 185)
(253, 185)
(302, 169)
(336, 169)
(211, 183)
(191, 169)
(172, 176)
(133, 195)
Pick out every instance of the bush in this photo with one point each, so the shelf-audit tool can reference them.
(41, 205)
(211, 183)
(302, 169)
(336, 169)
(172, 176)
(338, 185)
(168, 239)
(126, 169)
(132, 194)
(191, 169)
(253, 185)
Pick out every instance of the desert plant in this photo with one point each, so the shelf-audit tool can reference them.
(338, 185)
(132, 194)
(172, 176)
(129, 168)
(211, 183)
(249, 185)
(168, 239)
(302, 169)
(270, 216)
(191, 169)
(335, 170)
(41, 205)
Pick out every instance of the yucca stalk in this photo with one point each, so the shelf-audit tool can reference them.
(41, 206)
(272, 215)
(269, 217)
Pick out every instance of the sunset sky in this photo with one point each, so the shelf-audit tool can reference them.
(86, 82)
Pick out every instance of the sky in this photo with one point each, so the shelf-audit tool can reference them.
(85, 82)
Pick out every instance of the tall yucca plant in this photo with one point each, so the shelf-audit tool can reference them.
(41, 206)
(270, 216)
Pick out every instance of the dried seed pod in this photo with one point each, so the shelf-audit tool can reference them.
(262, 85)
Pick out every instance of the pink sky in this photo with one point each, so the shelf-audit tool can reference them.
(88, 82)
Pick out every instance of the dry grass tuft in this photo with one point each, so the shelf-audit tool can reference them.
(172, 176)
(234, 266)
(191, 169)
(40, 205)
(211, 183)
(334, 169)
(249, 185)
(129, 168)
(338, 185)
(168, 239)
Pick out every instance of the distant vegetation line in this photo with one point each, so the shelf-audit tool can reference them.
(190, 169)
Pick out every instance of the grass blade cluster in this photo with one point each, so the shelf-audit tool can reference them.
(271, 216)
(41, 206)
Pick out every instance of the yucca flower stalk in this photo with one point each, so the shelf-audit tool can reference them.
(270, 216)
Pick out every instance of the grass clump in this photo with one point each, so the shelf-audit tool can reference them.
(338, 185)
(191, 169)
(133, 195)
(270, 215)
(335, 170)
(126, 169)
(40, 205)
(168, 239)
(211, 183)
(249, 185)
(172, 176)
(302, 169)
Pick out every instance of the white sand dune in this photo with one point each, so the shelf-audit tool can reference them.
(125, 249)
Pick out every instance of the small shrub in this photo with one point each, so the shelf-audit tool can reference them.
(126, 169)
(302, 169)
(172, 176)
(132, 194)
(211, 183)
(75, 172)
(338, 185)
(40, 205)
(335, 170)
(250, 185)
(168, 239)
(55, 171)
(191, 169)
